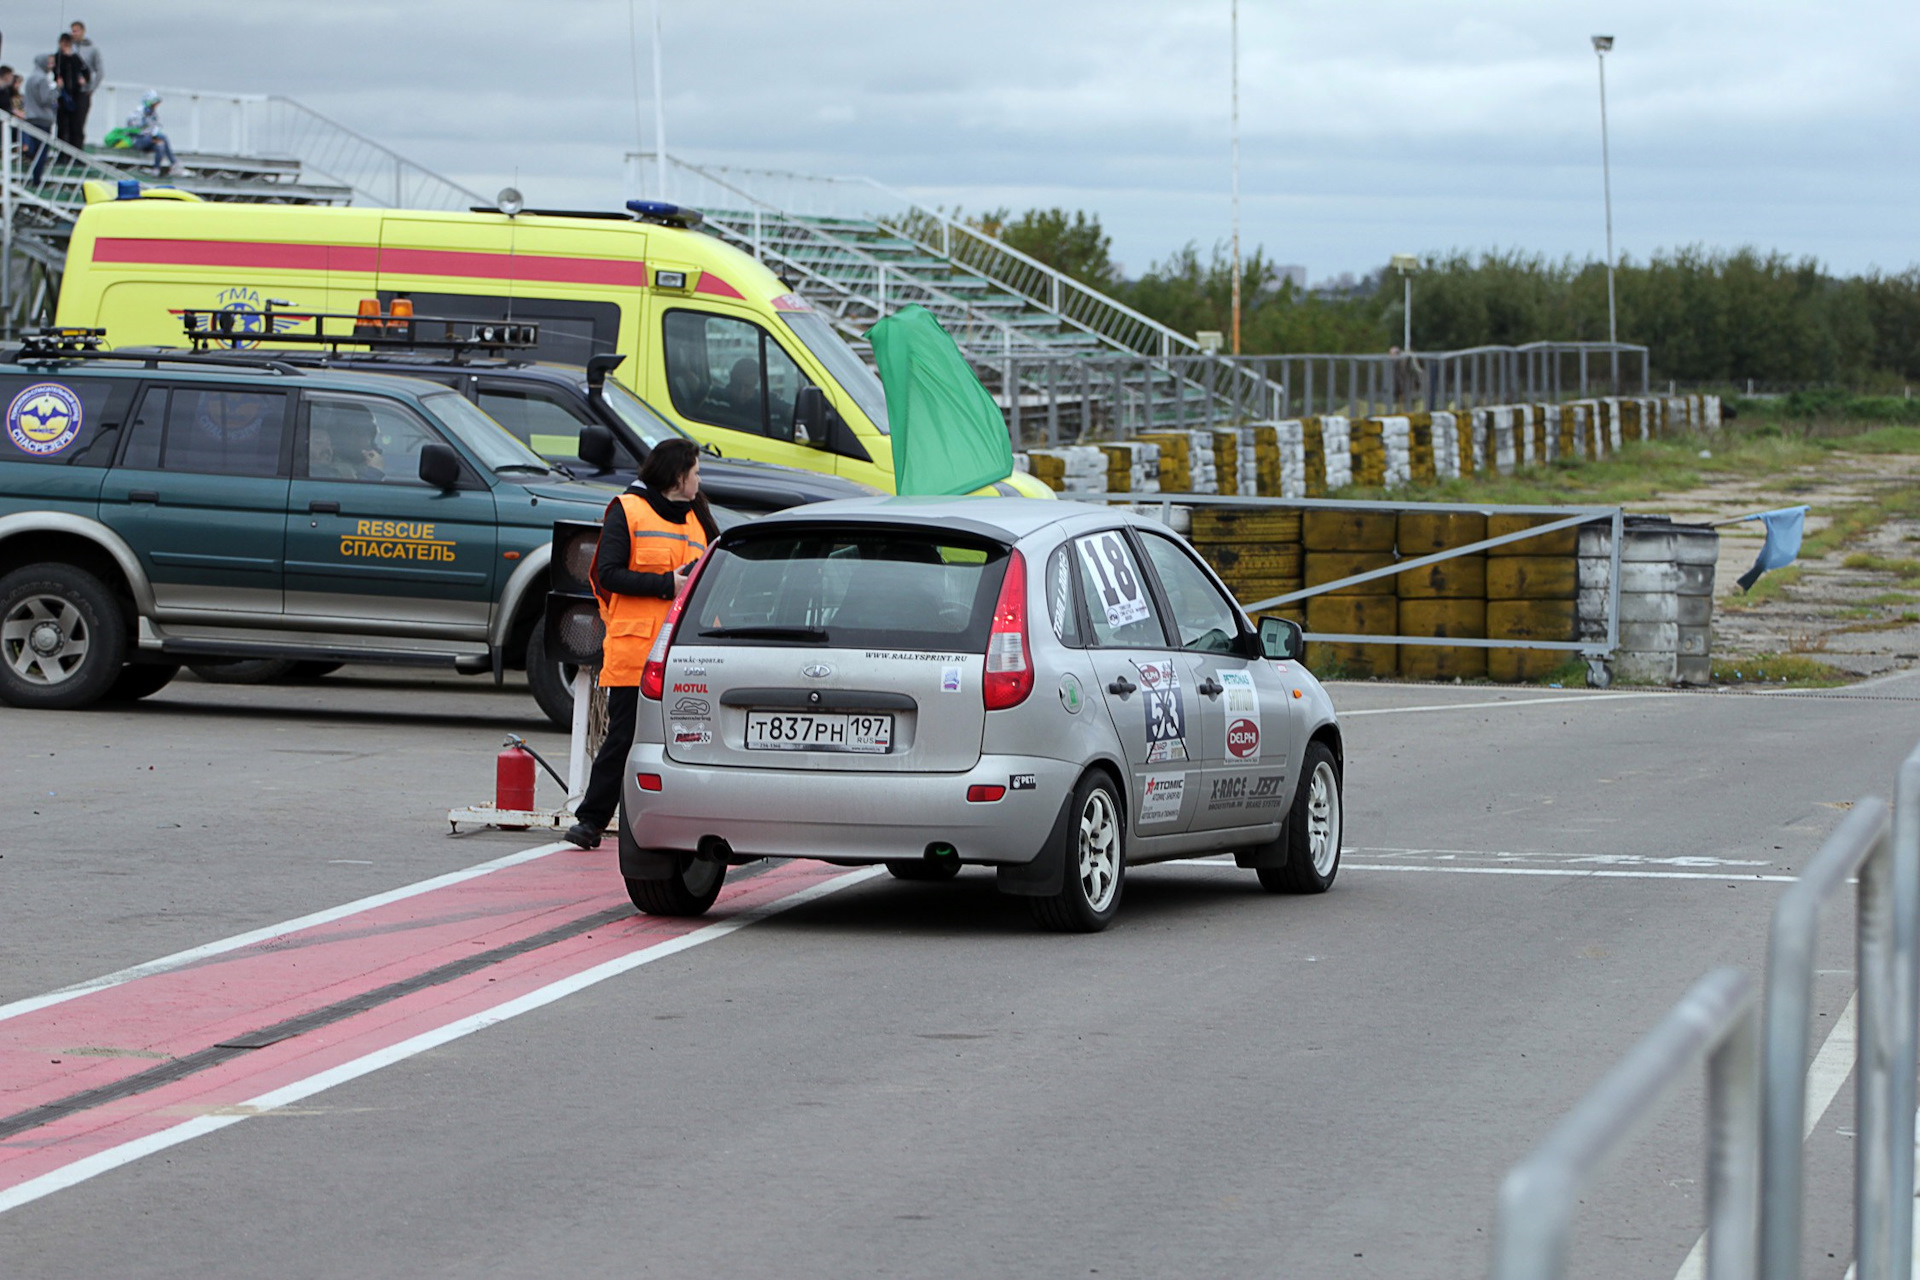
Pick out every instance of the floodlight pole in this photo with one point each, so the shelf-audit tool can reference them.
(1235, 78)
(659, 105)
(1600, 46)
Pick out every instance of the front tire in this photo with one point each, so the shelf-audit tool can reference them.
(1095, 858)
(1314, 828)
(550, 680)
(63, 638)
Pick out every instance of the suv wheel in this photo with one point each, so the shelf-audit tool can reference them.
(63, 637)
(550, 680)
(1096, 862)
(138, 679)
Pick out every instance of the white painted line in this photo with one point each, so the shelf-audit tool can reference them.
(1511, 702)
(181, 959)
(1543, 855)
(1830, 1069)
(127, 1152)
(1575, 873)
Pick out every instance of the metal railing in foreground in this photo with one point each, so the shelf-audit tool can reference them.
(1862, 847)
(1715, 1021)
(1880, 851)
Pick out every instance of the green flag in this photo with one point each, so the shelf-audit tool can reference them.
(948, 435)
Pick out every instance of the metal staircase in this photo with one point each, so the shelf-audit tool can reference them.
(248, 148)
(859, 250)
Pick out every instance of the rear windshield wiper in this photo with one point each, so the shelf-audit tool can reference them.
(813, 634)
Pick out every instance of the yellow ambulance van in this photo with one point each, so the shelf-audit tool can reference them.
(711, 337)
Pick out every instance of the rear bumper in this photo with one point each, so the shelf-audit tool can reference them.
(855, 817)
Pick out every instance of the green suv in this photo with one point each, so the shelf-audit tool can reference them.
(161, 510)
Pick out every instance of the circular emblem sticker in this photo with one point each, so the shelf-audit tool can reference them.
(1070, 694)
(44, 419)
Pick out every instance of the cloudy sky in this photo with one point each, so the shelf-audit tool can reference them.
(1368, 127)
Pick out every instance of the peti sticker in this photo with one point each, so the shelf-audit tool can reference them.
(1161, 797)
(1242, 707)
(44, 419)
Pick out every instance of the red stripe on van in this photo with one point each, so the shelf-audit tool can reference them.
(245, 254)
(713, 284)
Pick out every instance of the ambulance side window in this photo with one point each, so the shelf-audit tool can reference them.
(730, 373)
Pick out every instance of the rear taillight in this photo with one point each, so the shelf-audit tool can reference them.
(653, 676)
(1009, 664)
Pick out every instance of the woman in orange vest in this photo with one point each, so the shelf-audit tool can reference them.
(651, 536)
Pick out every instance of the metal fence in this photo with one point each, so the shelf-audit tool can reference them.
(1755, 1175)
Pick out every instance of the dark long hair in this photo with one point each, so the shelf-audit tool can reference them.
(667, 466)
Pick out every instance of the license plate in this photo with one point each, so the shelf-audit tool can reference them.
(819, 731)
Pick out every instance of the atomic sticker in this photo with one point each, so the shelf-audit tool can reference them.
(1161, 797)
(44, 419)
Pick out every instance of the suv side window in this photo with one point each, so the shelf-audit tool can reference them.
(547, 422)
(730, 373)
(371, 440)
(1119, 606)
(1206, 620)
(216, 431)
(61, 421)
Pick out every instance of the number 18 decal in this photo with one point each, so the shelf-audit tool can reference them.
(1111, 570)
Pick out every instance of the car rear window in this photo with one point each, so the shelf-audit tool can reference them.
(848, 589)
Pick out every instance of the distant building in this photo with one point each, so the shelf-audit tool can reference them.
(1294, 275)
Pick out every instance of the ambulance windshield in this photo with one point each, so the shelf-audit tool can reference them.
(846, 368)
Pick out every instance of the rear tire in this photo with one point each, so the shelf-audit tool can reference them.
(63, 638)
(138, 680)
(1314, 828)
(689, 891)
(940, 869)
(1095, 862)
(550, 680)
(244, 671)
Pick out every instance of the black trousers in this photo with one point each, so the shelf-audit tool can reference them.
(71, 125)
(609, 763)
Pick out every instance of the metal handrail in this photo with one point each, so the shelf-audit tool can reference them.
(1905, 998)
(1861, 845)
(273, 125)
(1715, 1020)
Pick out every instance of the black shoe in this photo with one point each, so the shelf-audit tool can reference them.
(583, 835)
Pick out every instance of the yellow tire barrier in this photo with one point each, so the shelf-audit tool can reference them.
(1272, 560)
(1331, 566)
(1421, 533)
(1353, 615)
(1349, 530)
(1532, 577)
(1461, 578)
(1226, 524)
(1565, 542)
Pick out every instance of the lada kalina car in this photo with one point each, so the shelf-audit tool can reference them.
(160, 511)
(1053, 690)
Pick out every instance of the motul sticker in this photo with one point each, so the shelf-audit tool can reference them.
(1161, 798)
(1241, 704)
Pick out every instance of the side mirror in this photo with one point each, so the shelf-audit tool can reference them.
(440, 466)
(1282, 639)
(810, 410)
(596, 447)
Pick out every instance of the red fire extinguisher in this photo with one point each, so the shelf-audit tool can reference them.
(513, 779)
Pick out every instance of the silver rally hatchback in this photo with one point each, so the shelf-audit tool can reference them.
(1052, 689)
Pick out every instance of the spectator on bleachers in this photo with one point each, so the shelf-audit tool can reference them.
(9, 91)
(90, 54)
(146, 134)
(70, 73)
(40, 101)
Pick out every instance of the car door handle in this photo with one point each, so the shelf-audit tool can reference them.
(143, 495)
(321, 507)
(1122, 686)
(1211, 688)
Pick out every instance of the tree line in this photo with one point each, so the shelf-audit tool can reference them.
(1707, 316)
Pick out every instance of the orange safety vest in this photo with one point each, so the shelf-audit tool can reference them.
(633, 621)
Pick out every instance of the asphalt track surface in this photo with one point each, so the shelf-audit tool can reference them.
(261, 1015)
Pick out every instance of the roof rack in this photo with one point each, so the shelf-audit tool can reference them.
(371, 332)
(71, 343)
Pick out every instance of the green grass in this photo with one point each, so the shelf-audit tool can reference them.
(1891, 597)
(1787, 670)
(1773, 585)
(1904, 570)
